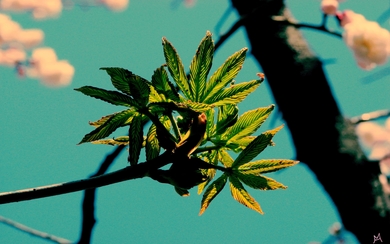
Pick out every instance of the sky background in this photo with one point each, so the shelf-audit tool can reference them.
(40, 127)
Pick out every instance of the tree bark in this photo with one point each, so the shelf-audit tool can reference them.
(323, 139)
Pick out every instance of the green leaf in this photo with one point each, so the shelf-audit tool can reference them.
(210, 129)
(247, 123)
(260, 182)
(212, 191)
(240, 144)
(101, 121)
(233, 94)
(199, 107)
(162, 84)
(211, 158)
(255, 147)
(225, 158)
(119, 78)
(176, 69)
(136, 139)
(227, 116)
(115, 121)
(200, 67)
(122, 140)
(242, 196)
(152, 148)
(112, 97)
(265, 166)
(154, 96)
(225, 73)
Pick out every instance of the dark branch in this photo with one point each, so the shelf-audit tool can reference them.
(88, 207)
(128, 173)
(323, 139)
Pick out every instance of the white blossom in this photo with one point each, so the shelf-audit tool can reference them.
(369, 42)
(11, 56)
(376, 138)
(46, 67)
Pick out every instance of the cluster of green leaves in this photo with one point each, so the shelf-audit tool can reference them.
(169, 105)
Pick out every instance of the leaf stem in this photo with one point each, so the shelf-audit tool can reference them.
(205, 149)
(174, 126)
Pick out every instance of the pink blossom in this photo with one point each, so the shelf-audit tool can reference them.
(46, 67)
(11, 56)
(369, 42)
(30, 38)
(40, 9)
(116, 5)
(375, 137)
(329, 6)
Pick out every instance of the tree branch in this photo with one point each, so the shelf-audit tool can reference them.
(128, 173)
(88, 206)
(323, 139)
(34, 232)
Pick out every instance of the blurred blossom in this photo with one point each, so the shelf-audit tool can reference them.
(11, 32)
(375, 137)
(46, 67)
(329, 6)
(30, 38)
(12, 56)
(369, 42)
(115, 5)
(40, 9)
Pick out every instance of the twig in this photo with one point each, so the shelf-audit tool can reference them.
(88, 205)
(33, 232)
(128, 173)
(370, 116)
(322, 27)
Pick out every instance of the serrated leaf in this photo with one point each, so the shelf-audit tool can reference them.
(112, 97)
(227, 116)
(101, 121)
(136, 139)
(247, 123)
(240, 144)
(199, 107)
(211, 192)
(176, 69)
(210, 129)
(242, 196)
(119, 78)
(225, 73)
(225, 158)
(154, 96)
(233, 94)
(255, 147)
(200, 67)
(122, 140)
(115, 121)
(266, 166)
(152, 148)
(162, 84)
(260, 182)
(211, 158)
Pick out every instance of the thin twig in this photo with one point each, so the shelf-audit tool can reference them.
(128, 173)
(33, 232)
(322, 27)
(371, 116)
(88, 206)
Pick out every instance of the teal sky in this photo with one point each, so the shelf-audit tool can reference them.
(41, 126)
